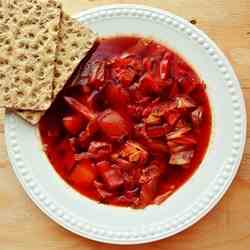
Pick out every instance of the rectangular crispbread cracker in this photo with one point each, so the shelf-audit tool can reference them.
(28, 40)
(75, 41)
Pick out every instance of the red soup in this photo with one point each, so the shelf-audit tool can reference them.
(131, 126)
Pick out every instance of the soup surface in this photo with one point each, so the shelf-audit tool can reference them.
(131, 126)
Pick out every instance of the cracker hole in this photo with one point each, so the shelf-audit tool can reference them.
(57, 74)
(18, 33)
(22, 57)
(1, 16)
(6, 89)
(45, 38)
(14, 20)
(33, 94)
(3, 61)
(21, 94)
(78, 34)
(31, 35)
(35, 47)
(41, 73)
(29, 7)
(26, 11)
(66, 18)
(49, 51)
(27, 81)
(7, 41)
(59, 62)
(10, 49)
(4, 28)
(55, 28)
(51, 4)
(74, 45)
(29, 69)
(47, 98)
(6, 98)
(73, 58)
(21, 45)
(38, 7)
(51, 16)
(21, 23)
(6, 20)
(17, 79)
(41, 42)
(2, 76)
(27, 46)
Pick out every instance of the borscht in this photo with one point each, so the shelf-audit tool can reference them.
(132, 124)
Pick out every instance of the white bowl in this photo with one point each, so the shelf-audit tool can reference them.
(198, 195)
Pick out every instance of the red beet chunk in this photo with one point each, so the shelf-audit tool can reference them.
(116, 96)
(113, 125)
(73, 124)
(86, 135)
(148, 192)
(100, 150)
(172, 117)
(149, 84)
(66, 156)
(110, 175)
(156, 131)
(124, 76)
(102, 191)
(83, 174)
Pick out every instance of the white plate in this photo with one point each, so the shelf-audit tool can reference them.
(195, 198)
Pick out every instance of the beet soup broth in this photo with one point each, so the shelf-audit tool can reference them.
(131, 126)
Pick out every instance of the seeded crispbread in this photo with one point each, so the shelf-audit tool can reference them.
(28, 40)
(75, 41)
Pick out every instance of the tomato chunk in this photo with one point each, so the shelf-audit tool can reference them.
(110, 175)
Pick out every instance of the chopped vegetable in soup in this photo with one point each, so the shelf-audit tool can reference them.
(131, 126)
